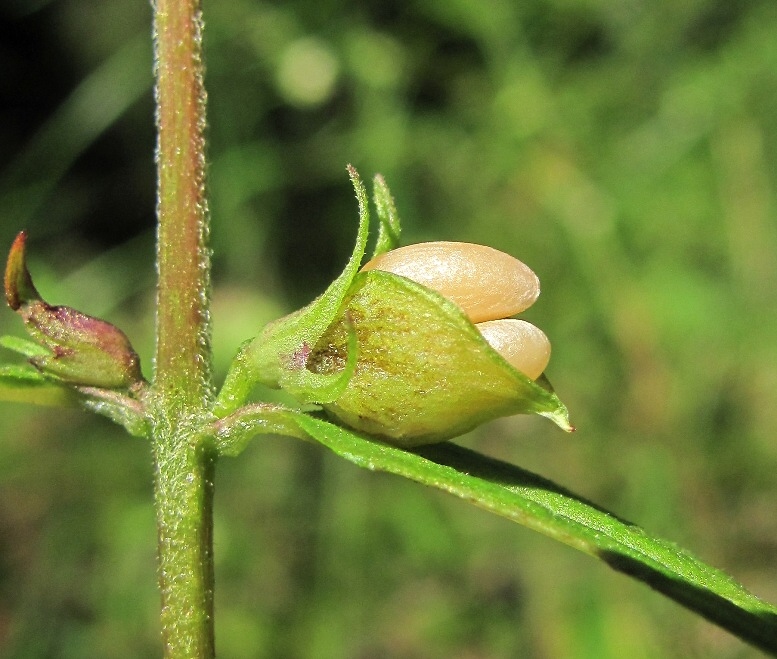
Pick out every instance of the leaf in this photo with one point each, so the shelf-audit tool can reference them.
(21, 383)
(29, 349)
(536, 503)
(232, 433)
(118, 407)
(541, 505)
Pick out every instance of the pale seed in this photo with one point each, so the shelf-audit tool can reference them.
(486, 283)
(523, 346)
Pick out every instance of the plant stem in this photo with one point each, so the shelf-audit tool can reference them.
(183, 339)
(182, 390)
(184, 500)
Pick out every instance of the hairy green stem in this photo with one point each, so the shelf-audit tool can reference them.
(182, 390)
(184, 498)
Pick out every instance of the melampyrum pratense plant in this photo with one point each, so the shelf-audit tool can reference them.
(404, 352)
(397, 356)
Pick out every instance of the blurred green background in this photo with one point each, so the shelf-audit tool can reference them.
(627, 151)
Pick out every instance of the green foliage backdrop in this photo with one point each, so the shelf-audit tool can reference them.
(627, 152)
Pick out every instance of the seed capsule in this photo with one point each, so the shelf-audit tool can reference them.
(423, 372)
(522, 345)
(396, 352)
(487, 284)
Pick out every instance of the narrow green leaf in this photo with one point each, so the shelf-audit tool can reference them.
(23, 373)
(541, 505)
(21, 383)
(24, 347)
(536, 503)
(118, 407)
(232, 433)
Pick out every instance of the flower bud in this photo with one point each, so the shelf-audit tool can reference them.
(486, 283)
(80, 350)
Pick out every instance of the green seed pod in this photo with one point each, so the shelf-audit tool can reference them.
(393, 351)
(424, 373)
(486, 283)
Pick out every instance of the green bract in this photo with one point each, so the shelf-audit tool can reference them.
(387, 356)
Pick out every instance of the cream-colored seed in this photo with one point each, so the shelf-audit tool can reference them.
(486, 283)
(523, 345)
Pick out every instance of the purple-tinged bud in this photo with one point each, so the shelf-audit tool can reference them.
(82, 350)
